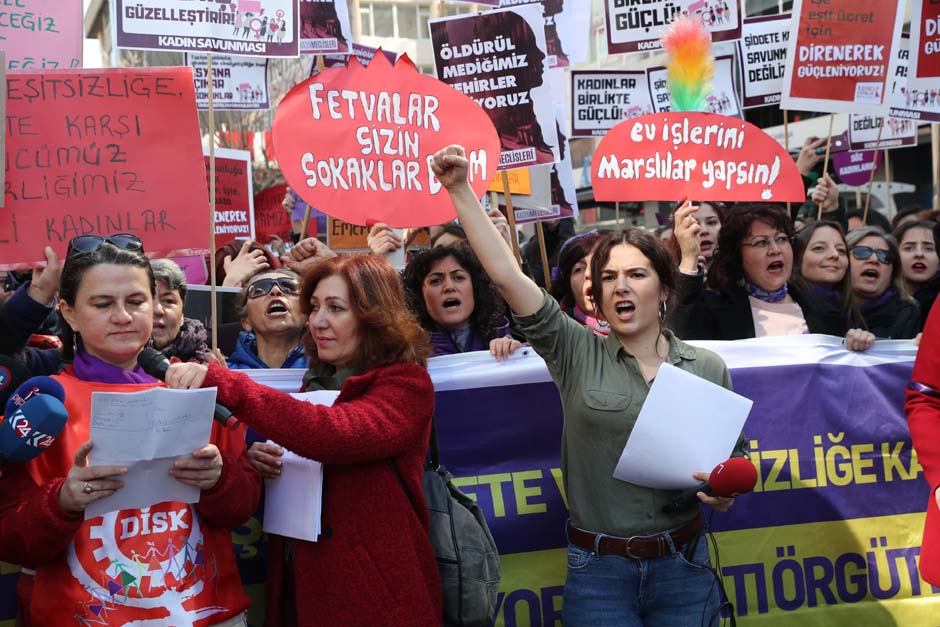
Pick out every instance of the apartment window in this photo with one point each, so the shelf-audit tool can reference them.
(383, 20)
(405, 21)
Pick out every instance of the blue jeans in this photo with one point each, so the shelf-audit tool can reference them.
(619, 591)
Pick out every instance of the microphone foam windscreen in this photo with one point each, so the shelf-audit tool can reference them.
(32, 428)
(32, 387)
(735, 476)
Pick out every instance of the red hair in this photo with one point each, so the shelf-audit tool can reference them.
(390, 332)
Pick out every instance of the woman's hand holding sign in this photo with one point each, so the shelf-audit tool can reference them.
(687, 231)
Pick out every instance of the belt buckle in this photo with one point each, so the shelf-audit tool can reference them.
(626, 548)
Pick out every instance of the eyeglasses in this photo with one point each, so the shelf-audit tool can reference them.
(763, 243)
(86, 244)
(864, 252)
(286, 284)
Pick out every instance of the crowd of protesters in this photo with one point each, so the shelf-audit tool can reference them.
(619, 305)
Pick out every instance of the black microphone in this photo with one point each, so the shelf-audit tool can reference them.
(155, 364)
(13, 373)
(728, 479)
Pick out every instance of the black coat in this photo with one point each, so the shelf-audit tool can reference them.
(925, 297)
(726, 314)
(894, 319)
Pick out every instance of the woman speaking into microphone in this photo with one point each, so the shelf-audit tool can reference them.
(629, 563)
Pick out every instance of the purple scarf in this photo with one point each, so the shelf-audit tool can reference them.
(89, 368)
(878, 302)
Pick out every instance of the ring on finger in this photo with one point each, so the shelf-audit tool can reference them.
(87, 489)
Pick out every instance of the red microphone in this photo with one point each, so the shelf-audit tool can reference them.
(730, 478)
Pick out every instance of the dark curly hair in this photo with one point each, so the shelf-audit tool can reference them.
(488, 309)
(728, 265)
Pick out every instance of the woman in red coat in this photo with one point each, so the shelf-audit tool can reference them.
(373, 563)
(923, 418)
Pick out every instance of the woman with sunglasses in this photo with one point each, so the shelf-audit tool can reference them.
(373, 563)
(751, 277)
(272, 323)
(878, 286)
(171, 563)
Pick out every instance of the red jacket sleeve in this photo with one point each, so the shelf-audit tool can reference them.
(923, 411)
(385, 415)
(235, 498)
(34, 529)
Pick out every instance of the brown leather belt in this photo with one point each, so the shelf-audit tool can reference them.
(637, 547)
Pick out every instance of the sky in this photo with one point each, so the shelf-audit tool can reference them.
(92, 51)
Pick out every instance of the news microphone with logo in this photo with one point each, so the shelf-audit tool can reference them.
(12, 375)
(728, 479)
(31, 428)
(32, 387)
(155, 364)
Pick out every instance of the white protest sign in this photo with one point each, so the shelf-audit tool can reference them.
(763, 53)
(238, 83)
(908, 99)
(723, 99)
(638, 25)
(567, 29)
(897, 132)
(599, 100)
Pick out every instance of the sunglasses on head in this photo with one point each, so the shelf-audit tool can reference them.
(864, 252)
(86, 244)
(286, 284)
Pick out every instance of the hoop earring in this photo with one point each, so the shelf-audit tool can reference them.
(662, 311)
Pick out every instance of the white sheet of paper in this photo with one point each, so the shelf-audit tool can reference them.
(687, 424)
(146, 431)
(294, 500)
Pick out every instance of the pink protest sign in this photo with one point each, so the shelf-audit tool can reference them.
(42, 34)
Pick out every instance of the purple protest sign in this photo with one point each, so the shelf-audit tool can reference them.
(854, 168)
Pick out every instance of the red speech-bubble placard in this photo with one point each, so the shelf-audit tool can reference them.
(102, 152)
(669, 156)
(355, 142)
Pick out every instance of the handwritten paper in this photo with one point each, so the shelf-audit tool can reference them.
(146, 431)
(293, 501)
(673, 438)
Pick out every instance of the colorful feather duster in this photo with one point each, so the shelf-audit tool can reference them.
(691, 64)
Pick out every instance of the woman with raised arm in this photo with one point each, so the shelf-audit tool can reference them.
(629, 563)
